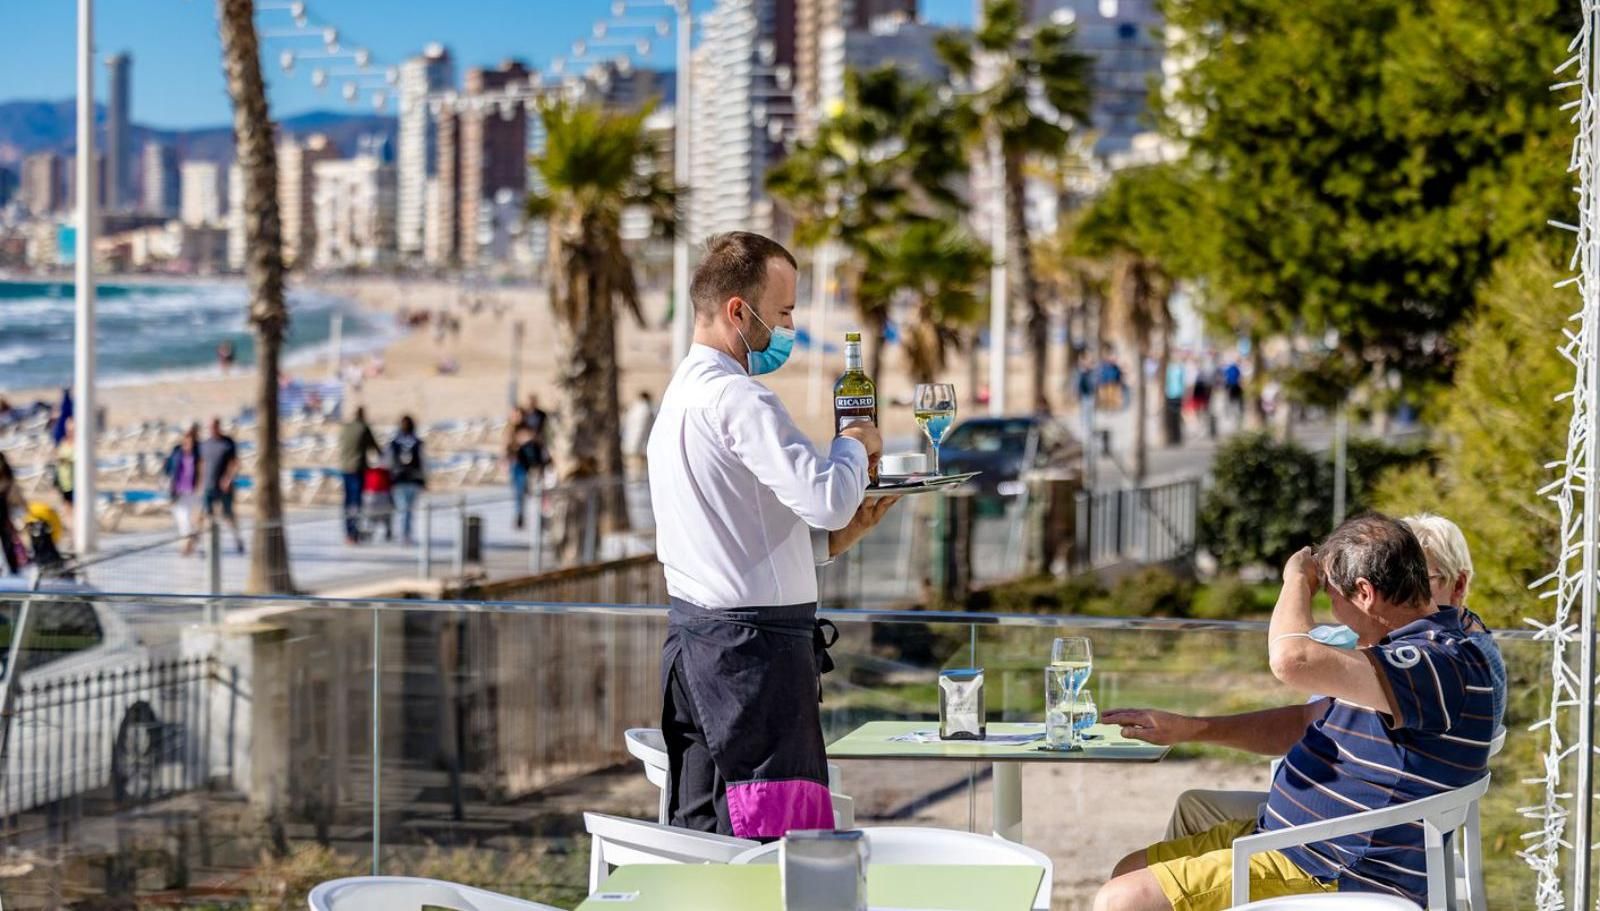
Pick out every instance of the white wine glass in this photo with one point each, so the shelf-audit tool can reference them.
(934, 405)
(1072, 658)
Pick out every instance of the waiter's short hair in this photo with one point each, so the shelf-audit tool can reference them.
(734, 265)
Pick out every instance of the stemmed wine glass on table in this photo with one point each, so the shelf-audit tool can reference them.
(934, 405)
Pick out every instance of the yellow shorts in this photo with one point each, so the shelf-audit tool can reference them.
(1196, 873)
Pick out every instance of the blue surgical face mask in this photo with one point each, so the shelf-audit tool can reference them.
(774, 355)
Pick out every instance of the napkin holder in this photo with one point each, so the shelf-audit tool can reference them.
(961, 709)
(823, 870)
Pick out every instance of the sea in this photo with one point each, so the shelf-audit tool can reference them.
(160, 331)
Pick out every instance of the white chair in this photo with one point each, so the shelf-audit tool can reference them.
(649, 747)
(1439, 815)
(919, 845)
(616, 841)
(1334, 901)
(388, 893)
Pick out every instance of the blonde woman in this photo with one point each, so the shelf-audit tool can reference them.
(1449, 561)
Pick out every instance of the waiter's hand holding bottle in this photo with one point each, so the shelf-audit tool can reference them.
(872, 509)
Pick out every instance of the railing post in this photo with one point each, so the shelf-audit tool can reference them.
(213, 561)
(536, 528)
(459, 561)
(425, 542)
(591, 525)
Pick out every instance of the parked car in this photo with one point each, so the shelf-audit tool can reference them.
(91, 711)
(1002, 448)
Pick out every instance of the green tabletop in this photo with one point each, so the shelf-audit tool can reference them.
(873, 740)
(755, 887)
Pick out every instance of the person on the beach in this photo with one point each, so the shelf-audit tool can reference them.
(63, 474)
(355, 441)
(226, 354)
(219, 459)
(528, 457)
(10, 502)
(745, 509)
(183, 471)
(409, 472)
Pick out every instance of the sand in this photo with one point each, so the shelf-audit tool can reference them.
(411, 384)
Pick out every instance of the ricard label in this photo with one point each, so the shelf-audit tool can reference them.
(855, 401)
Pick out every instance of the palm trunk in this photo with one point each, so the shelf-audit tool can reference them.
(269, 317)
(1141, 390)
(1169, 433)
(1256, 413)
(1037, 322)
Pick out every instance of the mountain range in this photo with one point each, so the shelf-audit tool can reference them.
(39, 126)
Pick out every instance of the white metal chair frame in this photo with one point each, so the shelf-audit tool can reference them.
(386, 893)
(1439, 815)
(919, 844)
(616, 841)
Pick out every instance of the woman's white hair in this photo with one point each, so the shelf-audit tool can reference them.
(1442, 541)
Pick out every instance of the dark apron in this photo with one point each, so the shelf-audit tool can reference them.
(753, 678)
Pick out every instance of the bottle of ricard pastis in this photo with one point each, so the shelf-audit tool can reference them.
(855, 398)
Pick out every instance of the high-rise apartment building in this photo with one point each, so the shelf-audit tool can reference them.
(44, 183)
(735, 77)
(813, 20)
(202, 194)
(420, 77)
(236, 237)
(297, 161)
(355, 202)
(441, 238)
(493, 150)
(160, 180)
(1124, 38)
(905, 44)
(119, 164)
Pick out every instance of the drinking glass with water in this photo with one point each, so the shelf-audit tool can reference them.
(1071, 661)
(934, 407)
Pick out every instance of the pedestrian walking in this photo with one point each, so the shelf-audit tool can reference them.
(183, 473)
(409, 472)
(219, 462)
(11, 502)
(355, 442)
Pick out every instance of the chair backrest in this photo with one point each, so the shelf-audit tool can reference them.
(618, 841)
(649, 747)
(920, 845)
(1333, 901)
(387, 893)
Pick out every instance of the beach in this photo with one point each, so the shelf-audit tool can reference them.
(411, 383)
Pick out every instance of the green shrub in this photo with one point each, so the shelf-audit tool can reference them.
(1229, 598)
(1150, 592)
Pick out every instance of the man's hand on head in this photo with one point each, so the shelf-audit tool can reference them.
(1302, 569)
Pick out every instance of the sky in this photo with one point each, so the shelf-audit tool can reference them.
(177, 76)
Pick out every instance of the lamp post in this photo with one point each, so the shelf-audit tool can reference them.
(83, 441)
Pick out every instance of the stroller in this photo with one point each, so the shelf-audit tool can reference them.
(41, 526)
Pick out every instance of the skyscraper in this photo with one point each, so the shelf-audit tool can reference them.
(202, 194)
(813, 20)
(160, 180)
(119, 189)
(1123, 38)
(417, 158)
(745, 41)
(297, 161)
(44, 183)
(494, 149)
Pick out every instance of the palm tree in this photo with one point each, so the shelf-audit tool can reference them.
(888, 159)
(1032, 92)
(596, 164)
(1135, 227)
(939, 267)
(254, 148)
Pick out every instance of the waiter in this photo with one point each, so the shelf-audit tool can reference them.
(746, 509)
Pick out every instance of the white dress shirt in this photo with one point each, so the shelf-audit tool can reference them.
(743, 501)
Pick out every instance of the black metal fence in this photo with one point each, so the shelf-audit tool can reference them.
(1153, 524)
(87, 744)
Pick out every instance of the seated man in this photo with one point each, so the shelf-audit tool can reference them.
(1449, 577)
(1407, 715)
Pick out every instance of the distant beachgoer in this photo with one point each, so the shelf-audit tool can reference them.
(528, 458)
(535, 418)
(64, 474)
(10, 502)
(409, 471)
(355, 441)
(226, 354)
(636, 426)
(183, 471)
(219, 462)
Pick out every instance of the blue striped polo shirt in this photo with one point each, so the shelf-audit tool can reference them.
(1443, 676)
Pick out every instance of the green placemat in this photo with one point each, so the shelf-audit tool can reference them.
(755, 887)
(874, 740)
